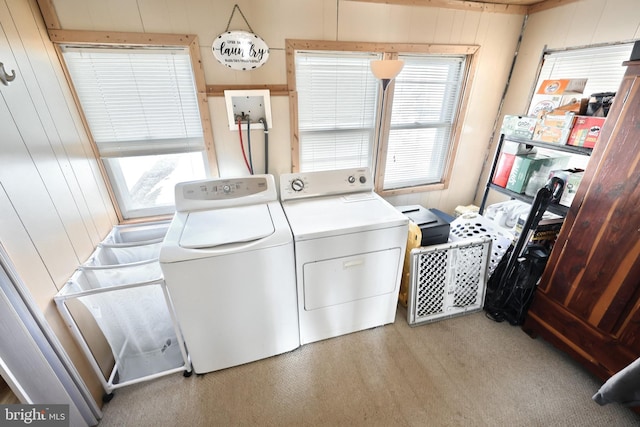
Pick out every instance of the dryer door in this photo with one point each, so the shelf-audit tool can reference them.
(347, 279)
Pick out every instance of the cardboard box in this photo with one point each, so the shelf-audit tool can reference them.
(559, 93)
(554, 128)
(561, 86)
(518, 126)
(524, 166)
(570, 188)
(545, 233)
(462, 210)
(586, 131)
(503, 169)
(553, 103)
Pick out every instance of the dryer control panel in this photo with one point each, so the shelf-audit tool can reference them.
(221, 193)
(325, 183)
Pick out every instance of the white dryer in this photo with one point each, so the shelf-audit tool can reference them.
(228, 262)
(349, 245)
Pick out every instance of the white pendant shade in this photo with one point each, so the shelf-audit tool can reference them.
(386, 69)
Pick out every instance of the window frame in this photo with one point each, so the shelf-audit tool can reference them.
(388, 51)
(142, 40)
(583, 51)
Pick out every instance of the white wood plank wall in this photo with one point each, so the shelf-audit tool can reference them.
(54, 207)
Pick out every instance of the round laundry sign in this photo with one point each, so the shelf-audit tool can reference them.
(240, 50)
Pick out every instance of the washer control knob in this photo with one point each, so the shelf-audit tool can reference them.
(297, 185)
(363, 179)
(351, 179)
(226, 188)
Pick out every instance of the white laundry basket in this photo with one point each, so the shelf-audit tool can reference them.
(136, 234)
(121, 255)
(473, 225)
(132, 308)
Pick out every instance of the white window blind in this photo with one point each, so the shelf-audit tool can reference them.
(137, 101)
(600, 65)
(425, 103)
(337, 97)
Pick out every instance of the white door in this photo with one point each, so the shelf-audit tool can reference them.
(34, 368)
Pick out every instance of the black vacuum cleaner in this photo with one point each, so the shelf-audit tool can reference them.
(512, 285)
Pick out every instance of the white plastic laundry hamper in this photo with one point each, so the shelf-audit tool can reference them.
(137, 234)
(473, 225)
(132, 308)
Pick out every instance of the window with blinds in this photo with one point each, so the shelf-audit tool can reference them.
(425, 103)
(141, 107)
(339, 118)
(337, 98)
(600, 65)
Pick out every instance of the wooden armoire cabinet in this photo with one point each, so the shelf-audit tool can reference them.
(588, 299)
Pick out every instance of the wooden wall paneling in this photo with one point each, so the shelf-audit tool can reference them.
(17, 241)
(34, 274)
(81, 166)
(112, 15)
(26, 163)
(425, 22)
(446, 25)
(120, 38)
(475, 6)
(169, 16)
(274, 90)
(547, 4)
(48, 150)
(98, 344)
(49, 14)
(203, 104)
(615, 22)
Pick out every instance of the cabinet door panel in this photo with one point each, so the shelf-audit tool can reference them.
(630, 336)
(595, 275)
(564, 278)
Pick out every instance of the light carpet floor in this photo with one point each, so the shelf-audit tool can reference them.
(463, 371)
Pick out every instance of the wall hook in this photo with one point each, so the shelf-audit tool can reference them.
(4, 77)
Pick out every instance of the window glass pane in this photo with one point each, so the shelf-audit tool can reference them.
(131, 96)
(425, 103)
(337, 95)
(416, 157)
(146, 183)
(600, 65)
(141, 107)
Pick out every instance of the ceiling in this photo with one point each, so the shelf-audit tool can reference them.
(513, 2)
(500, 6)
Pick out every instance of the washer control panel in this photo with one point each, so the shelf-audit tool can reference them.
(224, 189)
(220, 193)
(324, 183)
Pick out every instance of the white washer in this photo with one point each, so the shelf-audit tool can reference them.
(228, 263)
(349, 245)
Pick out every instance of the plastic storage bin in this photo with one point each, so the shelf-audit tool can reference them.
(132, 308)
